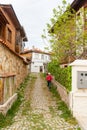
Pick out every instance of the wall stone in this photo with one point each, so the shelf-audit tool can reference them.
(62, 91)
(10, 63)
(7, 105)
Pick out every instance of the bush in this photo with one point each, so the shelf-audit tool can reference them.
(62, 75)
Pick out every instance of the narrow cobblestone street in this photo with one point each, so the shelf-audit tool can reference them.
(38, 110)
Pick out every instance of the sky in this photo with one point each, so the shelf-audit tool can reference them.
(33, 16)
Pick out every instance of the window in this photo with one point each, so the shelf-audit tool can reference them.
(85, 17)
(9, 35)
(1, 31)
(78, 18)
(36, 56)
(85, 12)
(42, 57)
(45, 57)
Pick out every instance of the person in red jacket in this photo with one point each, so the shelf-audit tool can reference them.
(49, 79)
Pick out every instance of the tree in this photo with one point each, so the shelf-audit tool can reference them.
(62, 32)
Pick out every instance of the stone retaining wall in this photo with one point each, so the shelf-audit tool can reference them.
(7, 105)
(62, 91)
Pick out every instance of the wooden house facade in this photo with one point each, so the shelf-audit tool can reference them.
(80, 6)
(80, 29)
(11, 30)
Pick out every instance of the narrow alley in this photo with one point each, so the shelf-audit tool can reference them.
(38, 110)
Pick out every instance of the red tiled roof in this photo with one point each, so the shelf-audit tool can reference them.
(36, 51)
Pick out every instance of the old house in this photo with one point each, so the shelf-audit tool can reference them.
(81, 26)
(77, 42)
(39, 60)
(13, 67)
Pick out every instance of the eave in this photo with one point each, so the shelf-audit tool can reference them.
(2, 18)
(8, 9)
(77, 4)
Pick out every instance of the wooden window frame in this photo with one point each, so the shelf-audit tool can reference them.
(9, 35)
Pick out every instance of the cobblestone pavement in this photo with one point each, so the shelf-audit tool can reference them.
(38, 111)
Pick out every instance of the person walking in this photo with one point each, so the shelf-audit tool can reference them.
(49, 79)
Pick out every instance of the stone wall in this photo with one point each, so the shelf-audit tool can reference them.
(62, 91)
(11, 63)
(7, 105)
(13, 70)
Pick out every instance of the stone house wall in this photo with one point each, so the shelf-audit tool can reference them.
(11, 63)
(13, 70)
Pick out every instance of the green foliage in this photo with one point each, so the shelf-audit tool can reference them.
(55, 93)
(61, 37)
(65, 111)
(62, 75)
